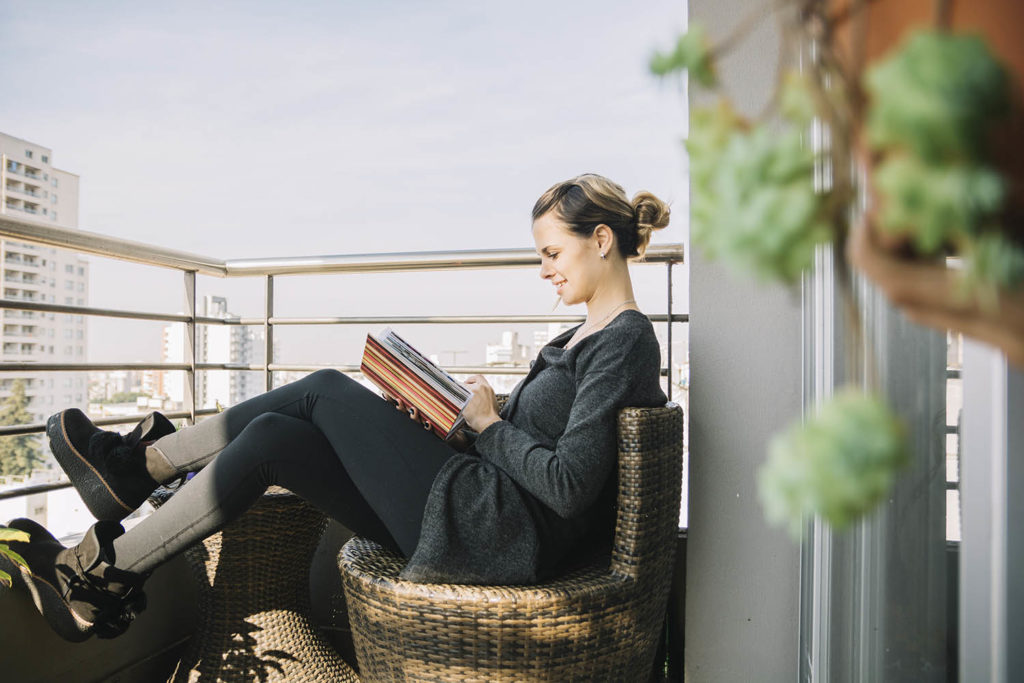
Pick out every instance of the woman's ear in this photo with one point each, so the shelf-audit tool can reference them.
(605, 239)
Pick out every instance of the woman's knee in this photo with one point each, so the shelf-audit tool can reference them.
(326, 379)
(269, 429)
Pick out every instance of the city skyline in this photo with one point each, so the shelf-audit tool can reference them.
(347, 129)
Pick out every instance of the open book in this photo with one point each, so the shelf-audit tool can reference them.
(402, 371)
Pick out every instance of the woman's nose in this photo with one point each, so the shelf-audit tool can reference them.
(546, 271)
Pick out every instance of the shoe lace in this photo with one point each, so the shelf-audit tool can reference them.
(114, 612)
(118, 613)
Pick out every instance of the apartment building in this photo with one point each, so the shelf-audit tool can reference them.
(32, 188)
(214, 344)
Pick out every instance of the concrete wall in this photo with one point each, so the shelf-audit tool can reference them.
(745, 359)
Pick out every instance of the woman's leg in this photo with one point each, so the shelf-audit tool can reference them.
(376, 481)
(191, 448)
(272, 450)
(391, 459)
(95, 586)
(327, 439)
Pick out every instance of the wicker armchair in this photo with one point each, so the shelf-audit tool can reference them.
(599, 623)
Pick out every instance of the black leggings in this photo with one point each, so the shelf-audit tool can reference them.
(325, 437)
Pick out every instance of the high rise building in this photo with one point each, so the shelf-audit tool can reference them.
(32, 188)
(215, 344)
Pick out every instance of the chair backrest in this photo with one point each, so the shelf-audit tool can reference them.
(650, 443)
(650, 485)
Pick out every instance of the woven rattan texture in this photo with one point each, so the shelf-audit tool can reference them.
(600, 623)
(254, 599)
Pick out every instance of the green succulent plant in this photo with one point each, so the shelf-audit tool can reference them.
(936, 207)
(936, 95)
(838, 464)
(934, 102)
(753, 202)
(691, 54)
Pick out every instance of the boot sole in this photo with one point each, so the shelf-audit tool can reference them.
(97, 495)
(48, 602)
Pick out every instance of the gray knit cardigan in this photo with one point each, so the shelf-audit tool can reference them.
(536, 492)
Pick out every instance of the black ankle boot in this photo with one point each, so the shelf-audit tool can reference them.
(76, 589)
(107, 468)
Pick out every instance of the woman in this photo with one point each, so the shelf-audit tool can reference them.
(530, 490)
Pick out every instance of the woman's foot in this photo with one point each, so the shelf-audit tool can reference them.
(76, 589)
(107, 468)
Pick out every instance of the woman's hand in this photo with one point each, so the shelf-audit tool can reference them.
(927, 294)
(413, 412)
(482, 409)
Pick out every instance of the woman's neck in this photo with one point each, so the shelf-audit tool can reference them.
(616, 296)
(604, 306)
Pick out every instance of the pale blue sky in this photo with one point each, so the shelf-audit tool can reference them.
(273, 128)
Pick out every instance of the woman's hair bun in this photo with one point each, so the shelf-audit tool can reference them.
(590, 200)
(651, 214)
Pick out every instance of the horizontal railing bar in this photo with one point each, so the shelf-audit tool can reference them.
(352, 369)
(39, 427)
(274, 367)
(37, 232)
(33, 489)
(439, 319)
(335, 320)
(85, 367)
(106, 312)
(110, 247)
(451, 370)
(410, 261)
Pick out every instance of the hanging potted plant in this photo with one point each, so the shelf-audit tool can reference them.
(913, 161)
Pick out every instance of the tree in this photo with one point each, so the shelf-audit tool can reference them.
(18, 454)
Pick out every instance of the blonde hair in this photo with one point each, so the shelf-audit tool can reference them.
(590, 200)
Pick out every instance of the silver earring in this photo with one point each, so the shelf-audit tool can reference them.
(602, 255)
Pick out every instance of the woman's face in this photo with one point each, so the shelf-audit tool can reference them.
(570, 262)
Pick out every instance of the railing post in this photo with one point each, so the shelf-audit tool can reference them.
(190, 344)
(992, 549)
(668, 355)
(268, 334)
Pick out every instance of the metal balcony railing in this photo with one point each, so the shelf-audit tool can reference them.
(192, 265)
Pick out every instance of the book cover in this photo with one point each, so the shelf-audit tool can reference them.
(398, 369)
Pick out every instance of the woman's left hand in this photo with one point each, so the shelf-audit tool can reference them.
(482, 409)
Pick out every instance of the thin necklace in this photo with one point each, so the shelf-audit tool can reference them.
(583, 331)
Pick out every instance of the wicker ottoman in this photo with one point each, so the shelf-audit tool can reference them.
(253, 581)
